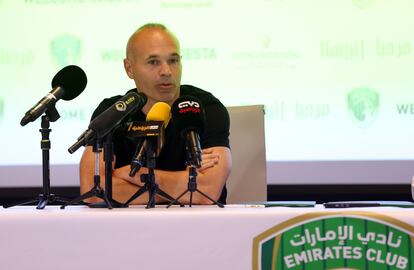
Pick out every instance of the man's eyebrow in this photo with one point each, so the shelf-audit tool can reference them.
(152, 56)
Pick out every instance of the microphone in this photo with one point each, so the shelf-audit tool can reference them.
(189, 119)
(67, 84)
(100, 126)
(159, 112)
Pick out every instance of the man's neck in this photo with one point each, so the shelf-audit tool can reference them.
(151, 102)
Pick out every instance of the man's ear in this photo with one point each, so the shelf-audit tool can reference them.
(128, 69)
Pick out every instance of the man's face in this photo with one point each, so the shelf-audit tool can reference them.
(153, 62)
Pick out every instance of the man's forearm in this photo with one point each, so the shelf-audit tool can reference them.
(210, 179)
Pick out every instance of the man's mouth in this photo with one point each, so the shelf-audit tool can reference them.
(165, 85)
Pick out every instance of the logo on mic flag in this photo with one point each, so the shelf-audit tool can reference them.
(120, 106)
(188, 103)
(189, 106)
(123, 105)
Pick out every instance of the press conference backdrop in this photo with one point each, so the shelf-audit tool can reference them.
(336, 78)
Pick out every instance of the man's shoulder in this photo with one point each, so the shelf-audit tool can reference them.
(204, 96)
(107, 102)
(113, 99)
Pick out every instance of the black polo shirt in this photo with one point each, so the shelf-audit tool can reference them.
(173, 155)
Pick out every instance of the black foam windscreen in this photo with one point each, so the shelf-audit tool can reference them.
(188, 114)
(72, 79)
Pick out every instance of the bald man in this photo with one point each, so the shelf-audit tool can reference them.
(153, 61)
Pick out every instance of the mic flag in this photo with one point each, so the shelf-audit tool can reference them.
(67, 84)
(189, 119)
(156, 121)
(104, 123)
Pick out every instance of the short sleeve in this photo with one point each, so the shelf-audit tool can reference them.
(216, 131)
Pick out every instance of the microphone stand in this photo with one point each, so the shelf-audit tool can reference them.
(148, 179)
(46, 197)
(192, 187)
(108, 158)
(96, 190)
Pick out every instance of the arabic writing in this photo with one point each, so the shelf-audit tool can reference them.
(343, 233)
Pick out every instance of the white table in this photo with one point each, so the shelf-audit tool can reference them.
(202, 237)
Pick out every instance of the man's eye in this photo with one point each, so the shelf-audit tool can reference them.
(153, 62)
(174, 60)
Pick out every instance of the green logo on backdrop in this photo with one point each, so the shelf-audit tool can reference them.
(2, 109)
(264, 56)
(66, 49)
(266, 41)
(362, 3)
(341, 240)
(363, 105)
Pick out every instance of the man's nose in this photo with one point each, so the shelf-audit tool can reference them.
(165, 69)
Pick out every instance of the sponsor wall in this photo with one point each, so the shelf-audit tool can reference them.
(335, 77)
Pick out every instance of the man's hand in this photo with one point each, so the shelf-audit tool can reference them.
(209, 159)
